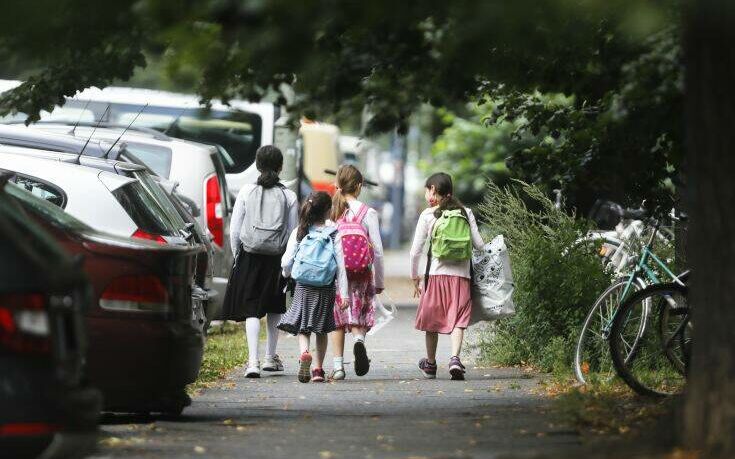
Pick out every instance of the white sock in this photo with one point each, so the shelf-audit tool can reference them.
(252, 333)
(360, 338)
(272, 335)
(339, 363)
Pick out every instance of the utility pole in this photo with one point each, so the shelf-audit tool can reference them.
(397, 191)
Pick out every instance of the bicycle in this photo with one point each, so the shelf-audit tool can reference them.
(592, 356)
(650, 343)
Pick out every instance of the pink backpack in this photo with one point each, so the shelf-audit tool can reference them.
(356, 246)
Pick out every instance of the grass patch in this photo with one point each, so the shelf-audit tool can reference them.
(225, 349)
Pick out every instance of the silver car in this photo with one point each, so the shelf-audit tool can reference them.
(105, 201)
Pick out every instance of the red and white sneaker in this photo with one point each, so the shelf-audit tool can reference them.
(305, 367)
(317, 375)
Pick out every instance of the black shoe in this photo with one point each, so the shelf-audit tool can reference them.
(362, 363)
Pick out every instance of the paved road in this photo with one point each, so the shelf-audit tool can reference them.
(390, 413)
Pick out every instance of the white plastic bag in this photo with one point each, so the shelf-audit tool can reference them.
(492, 282)
(383, 315)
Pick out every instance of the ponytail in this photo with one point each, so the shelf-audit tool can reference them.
(443, 187)
(269, 161)
(314, 210)
(349, 180)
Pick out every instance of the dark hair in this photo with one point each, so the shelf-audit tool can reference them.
(269, 161)
(315, 209)
(349, 179)
(443, 188)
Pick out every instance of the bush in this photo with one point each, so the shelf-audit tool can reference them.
(556, 279)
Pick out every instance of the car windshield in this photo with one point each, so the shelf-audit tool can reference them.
(47, 210)
(161, 197)
(143, 209)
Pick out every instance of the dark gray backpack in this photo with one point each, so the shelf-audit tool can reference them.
(265, 227)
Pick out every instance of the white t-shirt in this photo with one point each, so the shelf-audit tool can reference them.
(440, 267)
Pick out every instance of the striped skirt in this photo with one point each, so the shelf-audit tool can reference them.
(311, 311)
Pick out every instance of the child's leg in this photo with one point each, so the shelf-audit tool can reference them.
(321, 348)
(303, 342)
(338, 348)
(252, 333)
(457, 338)
(272, 334)
(359, 333)
(432, 340)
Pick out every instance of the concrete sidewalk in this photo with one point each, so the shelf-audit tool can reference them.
(390, 413)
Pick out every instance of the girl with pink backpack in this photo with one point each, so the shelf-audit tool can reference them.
(359, 231)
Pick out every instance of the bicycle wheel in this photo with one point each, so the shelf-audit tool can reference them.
(648, 338)
(592, 360)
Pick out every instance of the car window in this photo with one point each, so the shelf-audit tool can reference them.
(143, 209)
(161, 197)
(238, 133)
(45, 209)
(157, 158)
(41, 189)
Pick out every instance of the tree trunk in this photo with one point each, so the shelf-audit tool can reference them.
(709, 422)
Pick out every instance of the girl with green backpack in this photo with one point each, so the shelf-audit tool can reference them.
(445, 303)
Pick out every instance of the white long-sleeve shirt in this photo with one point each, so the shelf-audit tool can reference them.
(238, 213)
(440, 267)
(290, 254)
(371, 223)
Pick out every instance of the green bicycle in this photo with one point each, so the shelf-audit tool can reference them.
(592, 360)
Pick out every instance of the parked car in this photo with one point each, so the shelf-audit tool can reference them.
(46, 405)
(195, 167)
(168, 201)
(108, 202)
(146, 337)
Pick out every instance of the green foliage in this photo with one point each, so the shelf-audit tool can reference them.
(556, 279)
(471, 152)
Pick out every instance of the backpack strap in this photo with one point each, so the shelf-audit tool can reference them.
(361, 214)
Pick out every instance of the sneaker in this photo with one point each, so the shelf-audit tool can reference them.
(305, 367)
(362, 363)
(456, 369)
(427, 368)
(273, 364)
(253, 370)
(337, 374)
(317, 375)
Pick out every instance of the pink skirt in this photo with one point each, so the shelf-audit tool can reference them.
(445, 305)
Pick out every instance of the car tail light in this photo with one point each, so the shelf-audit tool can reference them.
(24, 324)
(140, 234)
(137, 294)
(27, 428)
(213, 206)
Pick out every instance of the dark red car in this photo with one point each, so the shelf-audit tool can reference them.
(146, 323)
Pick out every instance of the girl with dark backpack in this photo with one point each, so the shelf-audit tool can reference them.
(359, 230)
(264, 215)
(445, 304)
(313, 259)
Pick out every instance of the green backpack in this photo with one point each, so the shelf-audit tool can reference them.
(450, 237)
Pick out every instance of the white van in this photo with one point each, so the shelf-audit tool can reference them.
(237, 130)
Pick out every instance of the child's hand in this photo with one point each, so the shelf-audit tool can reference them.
(417, 287)
(342, 304)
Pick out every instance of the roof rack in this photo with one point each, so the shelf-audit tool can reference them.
(158, 135)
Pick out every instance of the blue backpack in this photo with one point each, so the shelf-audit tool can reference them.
(315, 263)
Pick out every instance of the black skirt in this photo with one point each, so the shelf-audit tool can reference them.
(255, 287)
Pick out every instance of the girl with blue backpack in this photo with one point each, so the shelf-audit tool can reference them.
(359, 233)
(313, 259)
(445, 303)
